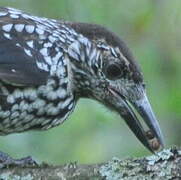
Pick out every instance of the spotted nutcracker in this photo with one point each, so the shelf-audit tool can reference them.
(47, 65)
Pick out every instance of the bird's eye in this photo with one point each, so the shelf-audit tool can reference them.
(113, 71)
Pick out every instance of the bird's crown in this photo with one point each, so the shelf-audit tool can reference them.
(114, 50)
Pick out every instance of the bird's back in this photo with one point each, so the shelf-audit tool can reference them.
(34, 77)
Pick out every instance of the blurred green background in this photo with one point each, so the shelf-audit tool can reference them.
(152, 29)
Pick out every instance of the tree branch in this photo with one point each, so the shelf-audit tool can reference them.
(165, 165)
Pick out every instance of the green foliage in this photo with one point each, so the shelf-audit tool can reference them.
(92, 134)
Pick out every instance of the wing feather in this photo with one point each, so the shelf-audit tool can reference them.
(17, 68)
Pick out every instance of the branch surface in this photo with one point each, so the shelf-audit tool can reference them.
(162, 166)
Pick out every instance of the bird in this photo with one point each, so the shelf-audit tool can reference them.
(47, 65)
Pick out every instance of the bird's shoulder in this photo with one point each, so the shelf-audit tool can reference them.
(31, 48)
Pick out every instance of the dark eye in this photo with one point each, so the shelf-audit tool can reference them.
(113, 71)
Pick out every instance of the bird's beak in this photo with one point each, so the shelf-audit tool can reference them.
(144, 109)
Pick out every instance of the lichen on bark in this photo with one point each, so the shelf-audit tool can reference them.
(162, 166)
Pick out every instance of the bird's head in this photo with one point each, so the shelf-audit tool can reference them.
(108, 73)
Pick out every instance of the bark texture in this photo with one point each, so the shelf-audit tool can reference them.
(162, 166)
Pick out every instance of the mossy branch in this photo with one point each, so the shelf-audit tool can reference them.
(165, 165)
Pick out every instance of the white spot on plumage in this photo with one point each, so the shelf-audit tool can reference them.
(66, 102)
(30, 93)
(64, 61)
(83, 40)
(74, 50)
(44, 51)
(10, 99)
(19, 27)
(6, 35)
(38, 104)
(55, 122)
(62, 31)
(61, 72)
(52, 111)
(42, 66)
(24, 107)
(30, 43)
(48, 60)
(47, 126)
(51, 38)
(28, 52)
(38, 19)
(56, 34)
(93, 54)
(14, 16)
(62, 35)
(41, 103)
(29, 28)
(23, 114)
(70, 38)
(41, 26)
(28, 118)
(15, 107)
(52, 95)
(64, 80)
(87, 83)
(26, 16)
(13, 70)
(13, 10)
(103, 46)
(39, 31)
(70, 106)
(42, 37)
(2, 116)
(72, 32)
(57, 49)
(61, 93)
(54, 20)
(48, 44)
(61, 39)
(39, 64)
(14, 115)
(17, 93)
(7, 27)
(3, 13)
(113, 52)
(18, 45)
(45, 122)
